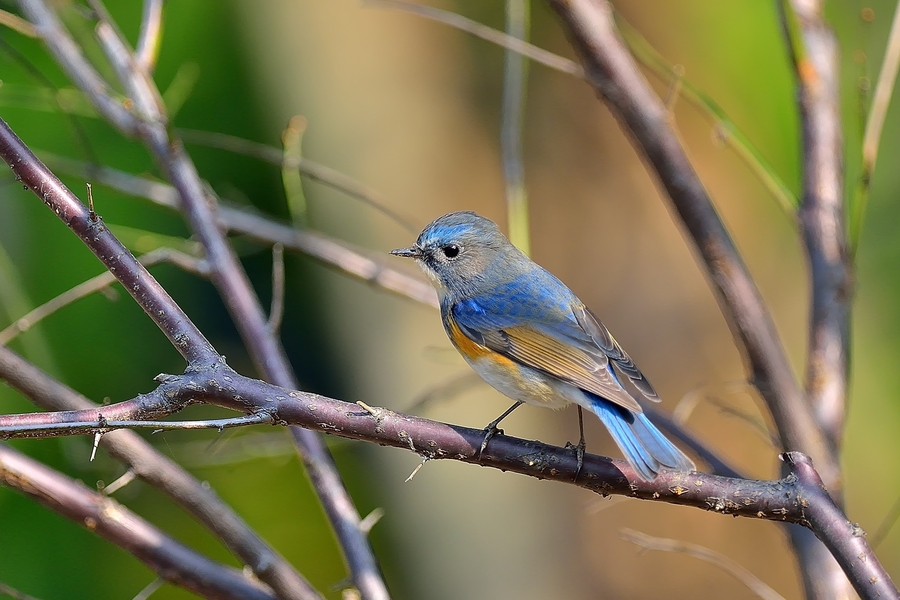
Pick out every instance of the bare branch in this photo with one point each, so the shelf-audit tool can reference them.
(227, 275)
(17, 23)
(150, 36)
(648, 542)
(315, 171)
(95, 284)
(69, 56)
(14, 593)
(484, 32)
(276, 312)
(884, 89)
(822, 216)
(512, 119)
(107, 518)
(799, 498)
(332, 252)
(104, 425)
(616, 78)
(166, 475)
(137, 281)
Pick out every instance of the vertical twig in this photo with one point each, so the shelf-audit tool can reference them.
(512, 116)
(292, 140)
(276, 312)
(822, 217)
(150, 36)
(884, 89)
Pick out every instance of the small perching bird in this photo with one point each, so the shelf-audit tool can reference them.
(532, 339)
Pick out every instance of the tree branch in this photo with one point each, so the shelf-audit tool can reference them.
(822, 217)
(166, 475)
(615, 77)
(107, 518)
(813, 48)
(332, 252)
(798, 498)
(227, 275)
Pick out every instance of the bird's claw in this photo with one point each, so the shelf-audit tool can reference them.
(490, 431)
(579, 455)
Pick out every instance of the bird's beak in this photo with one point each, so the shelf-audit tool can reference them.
(411, 252)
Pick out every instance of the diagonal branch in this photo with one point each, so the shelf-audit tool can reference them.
(107, 518)
(337, 254)
(164, 474)
(617, 80)
(228, 276)
(136, 280)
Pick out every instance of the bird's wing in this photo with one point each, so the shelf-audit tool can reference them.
(559, 348)
(600, 335)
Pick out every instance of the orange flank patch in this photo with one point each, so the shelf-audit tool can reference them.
(470, 349)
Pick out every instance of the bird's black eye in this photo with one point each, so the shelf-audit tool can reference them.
(451, 251)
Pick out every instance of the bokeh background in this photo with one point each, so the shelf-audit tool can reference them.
(411, 108)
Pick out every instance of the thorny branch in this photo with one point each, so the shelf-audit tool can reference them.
(798, 498)
(148, 122)
(107, 518)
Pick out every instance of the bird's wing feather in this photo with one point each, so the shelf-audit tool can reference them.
(561, 350)
(601, 336)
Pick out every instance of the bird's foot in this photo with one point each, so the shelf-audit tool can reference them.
(490, 431)
(579, 455)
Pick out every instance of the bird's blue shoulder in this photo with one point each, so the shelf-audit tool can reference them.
(535, 298)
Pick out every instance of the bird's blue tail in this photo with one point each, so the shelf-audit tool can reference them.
(645, 447)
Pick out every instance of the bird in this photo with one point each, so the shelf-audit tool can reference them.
(528, 336)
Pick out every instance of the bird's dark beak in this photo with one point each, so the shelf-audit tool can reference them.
(411, 252)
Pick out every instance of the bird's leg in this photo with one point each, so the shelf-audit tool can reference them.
(491, 429)
(579, 449)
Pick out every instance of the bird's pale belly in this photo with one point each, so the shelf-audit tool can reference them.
(523, 383)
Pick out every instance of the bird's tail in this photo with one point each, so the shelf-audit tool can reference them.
(645, 447)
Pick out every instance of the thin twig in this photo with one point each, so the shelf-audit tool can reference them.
(14, 593)
(539, 55)
(313, 170)
(884, 89)
(150, 589)
(728, 130)
(330, 251)
(276, 312)
(292, 140)
(17, 23)
(648, 542)
(95, 284)
(512, 119)
(887, 524)
(137, 281)
(648, 56)
(150, 36)
(83, 75)
(102, 426)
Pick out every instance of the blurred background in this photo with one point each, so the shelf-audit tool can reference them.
(411, 108)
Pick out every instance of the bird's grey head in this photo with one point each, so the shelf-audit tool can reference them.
(455, 249)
